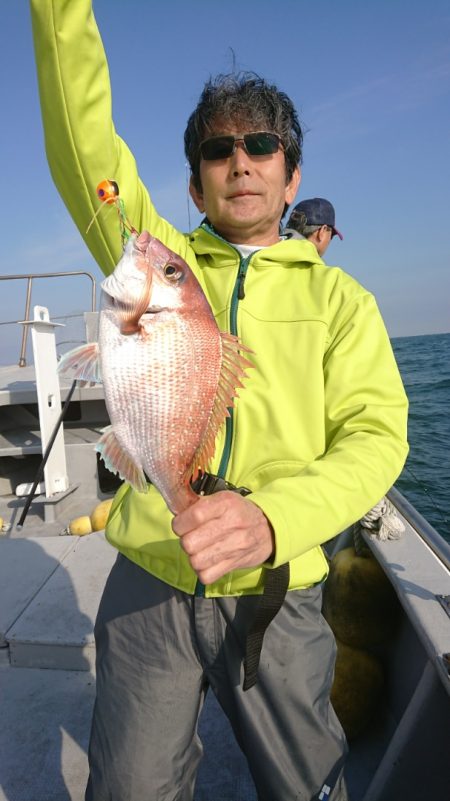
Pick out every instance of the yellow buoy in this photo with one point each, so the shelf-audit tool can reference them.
(360, 603)
(100, 515)
(80, 526)
(357, 688)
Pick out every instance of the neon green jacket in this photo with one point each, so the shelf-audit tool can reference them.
(319, 434)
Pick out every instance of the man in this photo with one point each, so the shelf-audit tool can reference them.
(313, 219)
(318, 436)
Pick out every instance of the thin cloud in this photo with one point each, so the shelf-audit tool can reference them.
(365, 107)
(423, 86)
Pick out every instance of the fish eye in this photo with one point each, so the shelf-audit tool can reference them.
(170, 271)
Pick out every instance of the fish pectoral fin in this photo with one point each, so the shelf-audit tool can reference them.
(232, 371)
(82, 363)
(117, 460)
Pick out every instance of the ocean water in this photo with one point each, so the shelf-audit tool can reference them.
(424, 363)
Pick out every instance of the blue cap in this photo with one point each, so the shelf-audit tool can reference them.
(314, 211)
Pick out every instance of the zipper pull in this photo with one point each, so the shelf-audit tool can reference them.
(241, 292)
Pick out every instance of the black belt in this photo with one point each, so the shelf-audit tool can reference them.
(276, 583)
(207, 484)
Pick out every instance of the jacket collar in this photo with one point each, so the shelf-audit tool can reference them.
(205, 241)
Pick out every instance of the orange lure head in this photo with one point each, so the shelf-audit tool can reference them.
(108, 191)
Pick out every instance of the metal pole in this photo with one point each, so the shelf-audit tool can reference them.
(93, 295)
(45, 456)
(30, 277)
(23, 350)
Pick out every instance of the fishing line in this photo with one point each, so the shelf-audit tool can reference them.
(423, 487)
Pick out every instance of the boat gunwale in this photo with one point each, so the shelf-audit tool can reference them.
(435, 541)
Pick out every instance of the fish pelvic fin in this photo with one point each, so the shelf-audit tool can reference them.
(82, 363)
(117, 460)
(232, 371)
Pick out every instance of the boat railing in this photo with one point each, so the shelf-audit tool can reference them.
(29, 278)
(433, 539)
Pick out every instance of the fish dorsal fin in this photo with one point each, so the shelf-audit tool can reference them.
(232, 371)
(117, 460)
(82, 363)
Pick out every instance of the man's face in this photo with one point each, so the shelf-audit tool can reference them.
(243, 196)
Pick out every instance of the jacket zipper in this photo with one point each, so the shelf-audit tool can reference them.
(238, 294)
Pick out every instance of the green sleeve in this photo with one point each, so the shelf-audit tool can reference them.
(81, 142)
(366, 437)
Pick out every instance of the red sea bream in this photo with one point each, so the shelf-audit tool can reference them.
(169, 374)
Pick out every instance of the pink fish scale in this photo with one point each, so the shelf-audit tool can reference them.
(160, 395)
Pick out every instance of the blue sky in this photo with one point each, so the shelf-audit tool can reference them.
(371, 82)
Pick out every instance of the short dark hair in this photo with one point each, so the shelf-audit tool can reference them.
(243, 98)
(299, 221)
(308, 230)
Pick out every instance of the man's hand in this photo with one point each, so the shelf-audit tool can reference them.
(223, 532)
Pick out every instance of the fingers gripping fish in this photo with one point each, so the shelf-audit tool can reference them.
(169, 374)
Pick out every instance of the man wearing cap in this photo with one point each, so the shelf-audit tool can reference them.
(313, 219)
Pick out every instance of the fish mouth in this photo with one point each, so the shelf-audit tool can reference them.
(123, 307)
(132, 324)
(153, 310)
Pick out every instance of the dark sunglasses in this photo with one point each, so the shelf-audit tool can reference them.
(260, 143)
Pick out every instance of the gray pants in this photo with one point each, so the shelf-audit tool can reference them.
(158, 650)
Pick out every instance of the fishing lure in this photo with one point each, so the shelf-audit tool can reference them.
(108, 193)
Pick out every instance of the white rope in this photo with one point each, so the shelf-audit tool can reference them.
(383, 521)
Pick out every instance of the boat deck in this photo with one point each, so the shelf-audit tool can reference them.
(49, 594)
(45, 731)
